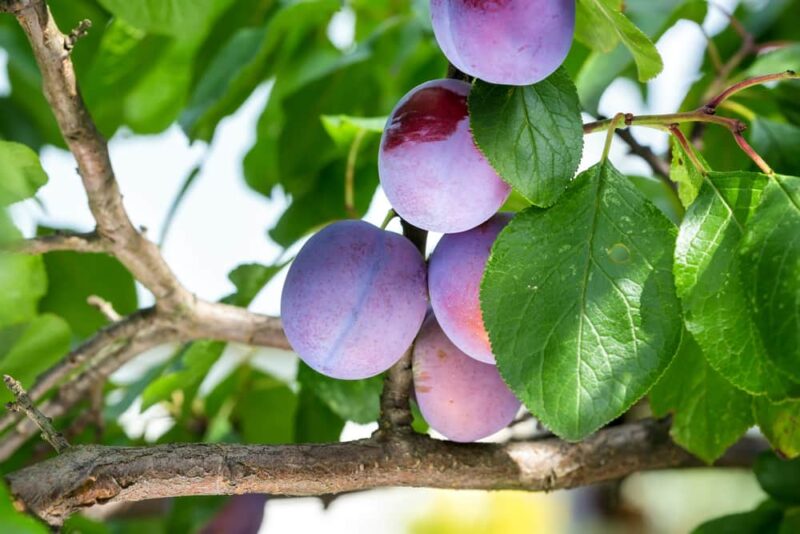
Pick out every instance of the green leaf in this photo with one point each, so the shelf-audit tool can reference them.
(771, 271)
(170, 17)
(195, 363)
(784, 58)
(780, 424)
(661, 194)
(22, 283)
(685, 174)
(716, 308)
(325, 202)
(777, 143)
(13, 521)
(598, 72)
(593, 28)
(791, 521)
(196, 360)
(250, 279)
(124, 55)
(352, 400)
(765, 519)
(266, 412)
(73, 277)
(544, 122)
(30, 348)
(248, 58)
(344, 129)
(778, 477)
(160, 92)
(315, 422)
(580, 304)
(604, 65)
(710, 414)
(21, 174)
(648, 60)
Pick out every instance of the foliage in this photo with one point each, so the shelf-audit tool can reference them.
(593, 298)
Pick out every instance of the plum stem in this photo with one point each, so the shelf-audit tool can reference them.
(613, 124)
(350, 174)
(396, 416)
(391, 214)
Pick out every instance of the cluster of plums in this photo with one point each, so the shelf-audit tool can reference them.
(357, 297)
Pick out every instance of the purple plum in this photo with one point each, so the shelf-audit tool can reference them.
(508, 42)
(354, 299)
(430, 169)
(454, 280)
(460, 397)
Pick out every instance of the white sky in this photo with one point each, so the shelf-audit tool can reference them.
(222, 223)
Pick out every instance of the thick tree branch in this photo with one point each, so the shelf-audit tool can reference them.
(114, 228)
(87, 475)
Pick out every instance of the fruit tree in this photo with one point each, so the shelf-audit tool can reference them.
(642, 319)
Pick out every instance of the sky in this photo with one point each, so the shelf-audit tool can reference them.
(222, 223)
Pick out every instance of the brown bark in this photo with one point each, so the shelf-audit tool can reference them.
(86, 475)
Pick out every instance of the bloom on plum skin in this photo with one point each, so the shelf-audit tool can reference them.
(461, 398)
(430, 169)
(454, 279)
(507, 42)
(354, 299)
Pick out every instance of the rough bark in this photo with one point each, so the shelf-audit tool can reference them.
(88, 475)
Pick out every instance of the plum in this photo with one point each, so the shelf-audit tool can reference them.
(430, 169)
(354, 299)
(460, 397)
(508, 42)
(454, 279)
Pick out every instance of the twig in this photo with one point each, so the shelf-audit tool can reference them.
(713, 104)
(76, 34)
(705, 114)
(88, 242)
(104, 307)
(120, 342)
(24, 405)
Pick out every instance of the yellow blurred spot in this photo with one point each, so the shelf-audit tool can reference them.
(503, 512)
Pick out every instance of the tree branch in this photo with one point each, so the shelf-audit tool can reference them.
(120, 342)
(88, 242)
(24, 405)
(114, 228)
(87, 475)
(396, 417)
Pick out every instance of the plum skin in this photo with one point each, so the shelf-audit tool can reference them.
(460, 397)
(507, 42)
(454, 278)
(430, 169)
(354, 299)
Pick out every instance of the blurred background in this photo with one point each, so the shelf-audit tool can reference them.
(221, 222)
